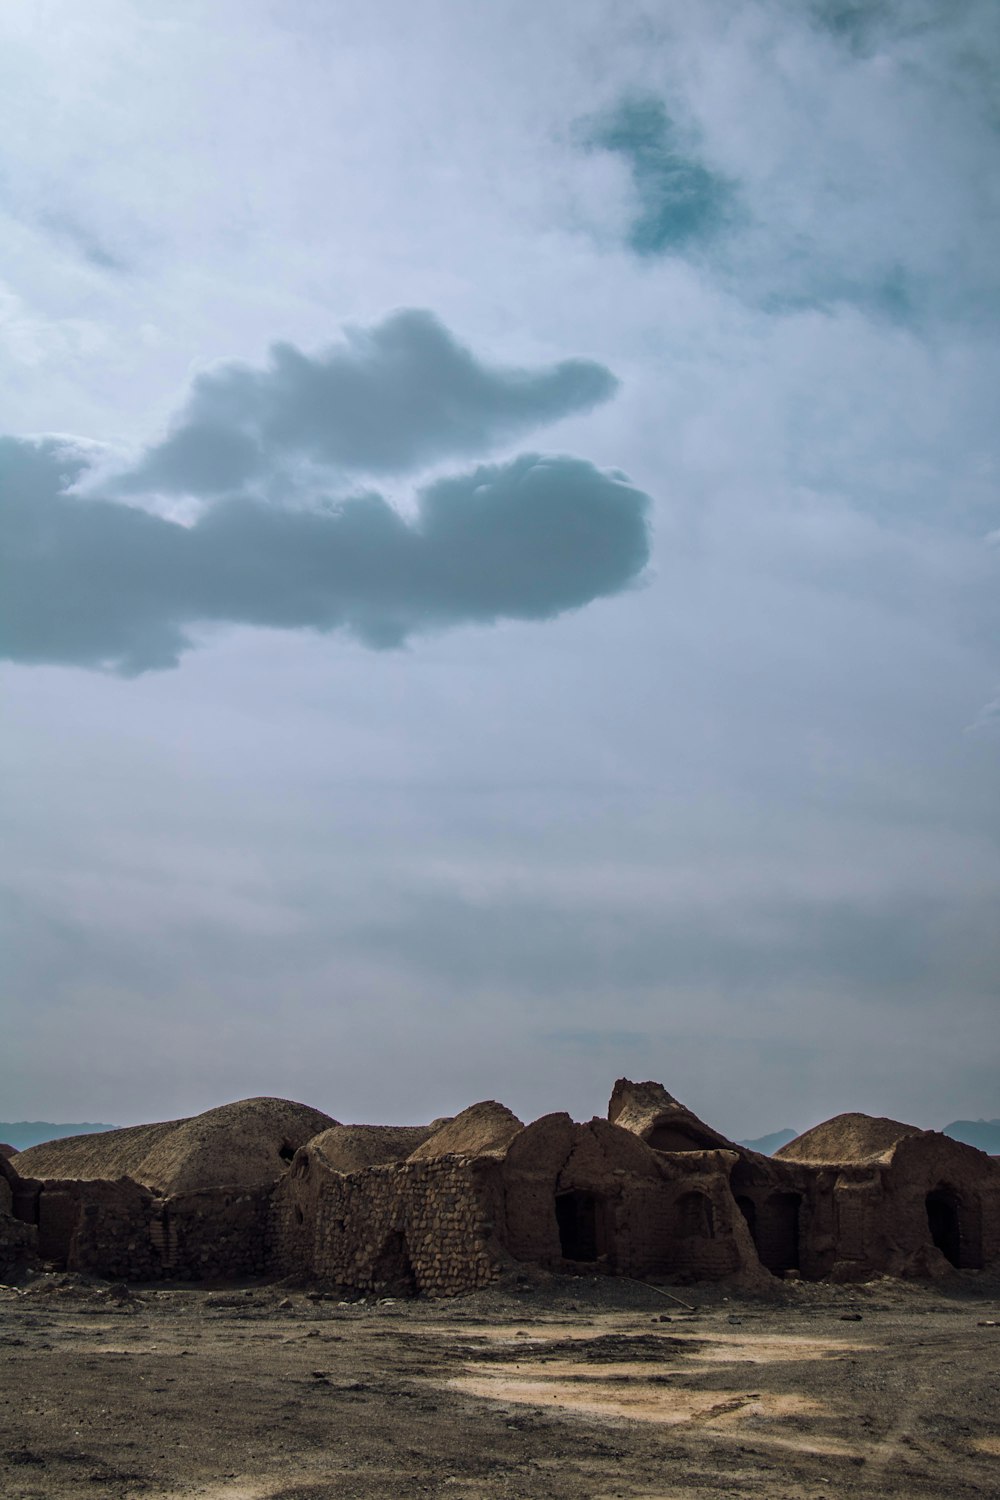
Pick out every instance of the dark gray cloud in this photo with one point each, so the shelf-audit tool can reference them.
(98, 583)
(680, 200)
(388, 400)
(866, 25)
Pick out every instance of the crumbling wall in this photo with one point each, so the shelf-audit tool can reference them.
(122, 1230)
(216, 1232)
(705, 1235)
(928, 1207)
(97, 1227)
(583, 1195)
(416, 1227)
(966, 1182)
(596, 1196)
(18, 1245)
(789, 1211)
(18, 1232)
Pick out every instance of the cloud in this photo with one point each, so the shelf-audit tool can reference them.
(63, 226)
(389, 399)
(98, 583)
(845, 147)
(680, 200)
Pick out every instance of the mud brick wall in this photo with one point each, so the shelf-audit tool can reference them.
(935, 1164)
(858, 1197)
(596, 1197)
(98, 1227)
(703, 1231)
(217, 1232)
(18, 1244)
(631, 1223)
(418, 1227)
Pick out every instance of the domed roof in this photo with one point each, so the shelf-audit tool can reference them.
(848, 1138)
(483, 1129)
(244, 1144)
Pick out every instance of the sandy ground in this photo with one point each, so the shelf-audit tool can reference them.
(557, 1387)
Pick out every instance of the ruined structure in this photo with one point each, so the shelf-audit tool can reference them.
(899, 1199)
(266, 1186)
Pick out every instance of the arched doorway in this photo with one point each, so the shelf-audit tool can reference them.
(778, 1232)
(693, 1217)
(580, 1218)
(393, 1274)
(955, 1227)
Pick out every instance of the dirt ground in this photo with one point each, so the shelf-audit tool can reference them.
(549, 1387)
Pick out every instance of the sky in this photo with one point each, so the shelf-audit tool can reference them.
(500, 556)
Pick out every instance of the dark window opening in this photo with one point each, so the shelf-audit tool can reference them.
(576, 1216)
(393, 1272)
(778, 1232)
(670, 1138)
(694, 1217)
(286, 1152)
(299, 1215)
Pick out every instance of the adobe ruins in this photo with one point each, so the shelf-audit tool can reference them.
(267, 1187)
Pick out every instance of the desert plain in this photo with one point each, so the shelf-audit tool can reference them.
(545, 1386)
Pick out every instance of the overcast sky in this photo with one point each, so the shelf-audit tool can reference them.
(501, 556)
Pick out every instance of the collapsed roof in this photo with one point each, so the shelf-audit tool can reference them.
(648, 1111)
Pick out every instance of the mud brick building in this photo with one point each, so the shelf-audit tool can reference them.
(270, 1187)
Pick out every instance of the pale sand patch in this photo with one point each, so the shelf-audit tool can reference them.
(579, 1390)
(990, 1444)
(246, 1488)
(540, 1333)
(770, 1347)
(237, 1489)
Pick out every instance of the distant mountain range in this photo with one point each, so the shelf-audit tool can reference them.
(24, 1133)
(982, 1133)
(765, 1144)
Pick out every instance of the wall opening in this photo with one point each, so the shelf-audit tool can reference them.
(778, 1232)
(392, 1272)
(748, 1209)
(955, 1228)
(578, 1218)
(745, 1184)
(58, 1216)
(286, 1152)
(671, 1138)
(694, 1217)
